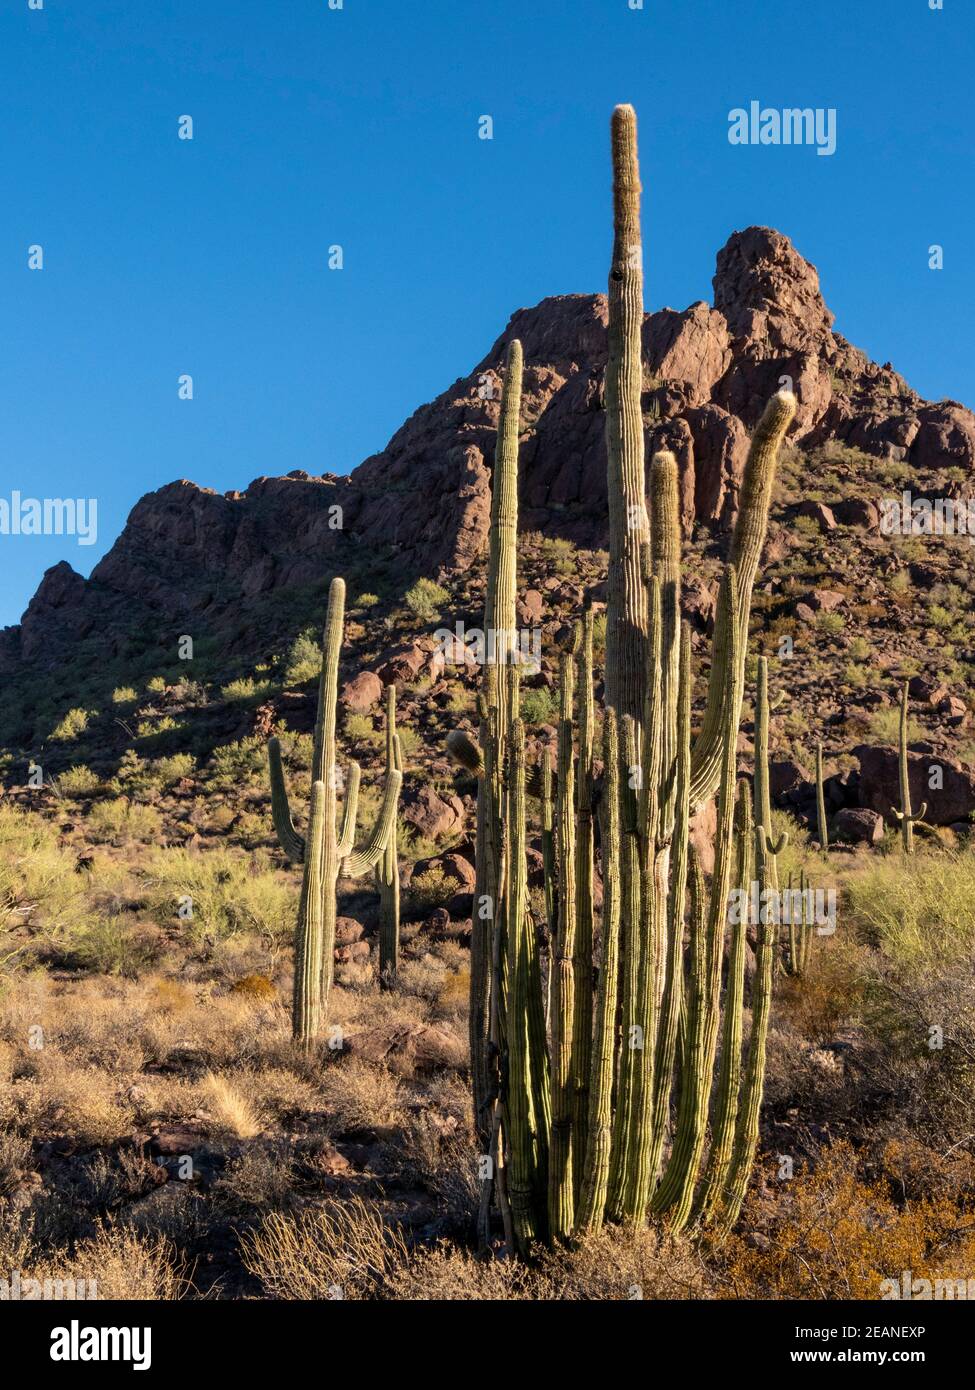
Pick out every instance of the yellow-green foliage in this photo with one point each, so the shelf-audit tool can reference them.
(245, 688)
(226, 893)
(236, 765)
(916, 910)
(75, 722)
(78, 781)
(124, 695)
(425, 599)
(304, 660)
(38, 884)
(120, 820)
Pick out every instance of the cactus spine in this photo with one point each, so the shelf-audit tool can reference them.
(328, 849)
(904, 816)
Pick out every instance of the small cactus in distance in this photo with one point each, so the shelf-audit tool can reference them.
(904, 816)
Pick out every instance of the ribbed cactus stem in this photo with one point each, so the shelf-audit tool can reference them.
(549, 872)
(821, 823)
(729, 1070)
(626, 606)
(561, 1202)
(746, 1128)
(673, 996)
(676, 1192)
(306, 1004)
(595, 1184)
(632, 1041)
(582, 953)
(746, 549)
(499, 629)
(763, 799)
(904, 816)
(521, 1126)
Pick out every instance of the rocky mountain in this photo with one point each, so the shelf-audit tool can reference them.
(190, 554)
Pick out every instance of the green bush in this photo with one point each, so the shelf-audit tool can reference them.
(304, 660)
(245, 689)
(75, 722)
(425, 599)
(124, 695)
(78, 781)
(539, 706)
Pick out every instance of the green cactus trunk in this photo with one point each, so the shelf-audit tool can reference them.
(387, 870)
(904, 816)
(329, 849)
(821, 823)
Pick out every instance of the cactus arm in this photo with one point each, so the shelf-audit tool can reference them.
(360, 861)
(746, 549)
(288, 838)
(350, 811)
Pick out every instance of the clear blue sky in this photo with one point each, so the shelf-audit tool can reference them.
(359, 126)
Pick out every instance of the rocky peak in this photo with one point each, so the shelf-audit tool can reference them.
(709, 370)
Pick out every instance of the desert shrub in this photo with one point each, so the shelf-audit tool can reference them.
(124, 695)
(245, 689)
(120, 820)
(156, 685)
(341, 1249)
(233, 765)
(885, 725)
(428, 890)
(842, 1235)
(367, 600)
(75, 722)
(539, 706)
(110, 945)
(304, 659)
(256, 987)
(425, 599)
(360, 728)
(919, 990)
(228, 893)
(558, 554)
(78, 781)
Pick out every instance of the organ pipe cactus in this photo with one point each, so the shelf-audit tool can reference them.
(578, 1121)
(904, 816)
(328, 848)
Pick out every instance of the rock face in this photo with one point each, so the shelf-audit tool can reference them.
(193, 556)
(948, 803)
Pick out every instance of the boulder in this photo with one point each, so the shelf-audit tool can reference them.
(880, 786)
(859, 824)
(362, 693)
(433, 814)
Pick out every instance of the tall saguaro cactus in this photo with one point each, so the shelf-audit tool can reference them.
(328, 848)
(904, 816)
(605, 1114)
(387, 869)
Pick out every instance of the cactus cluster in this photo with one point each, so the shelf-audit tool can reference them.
(328, 847)
(593, 1100)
